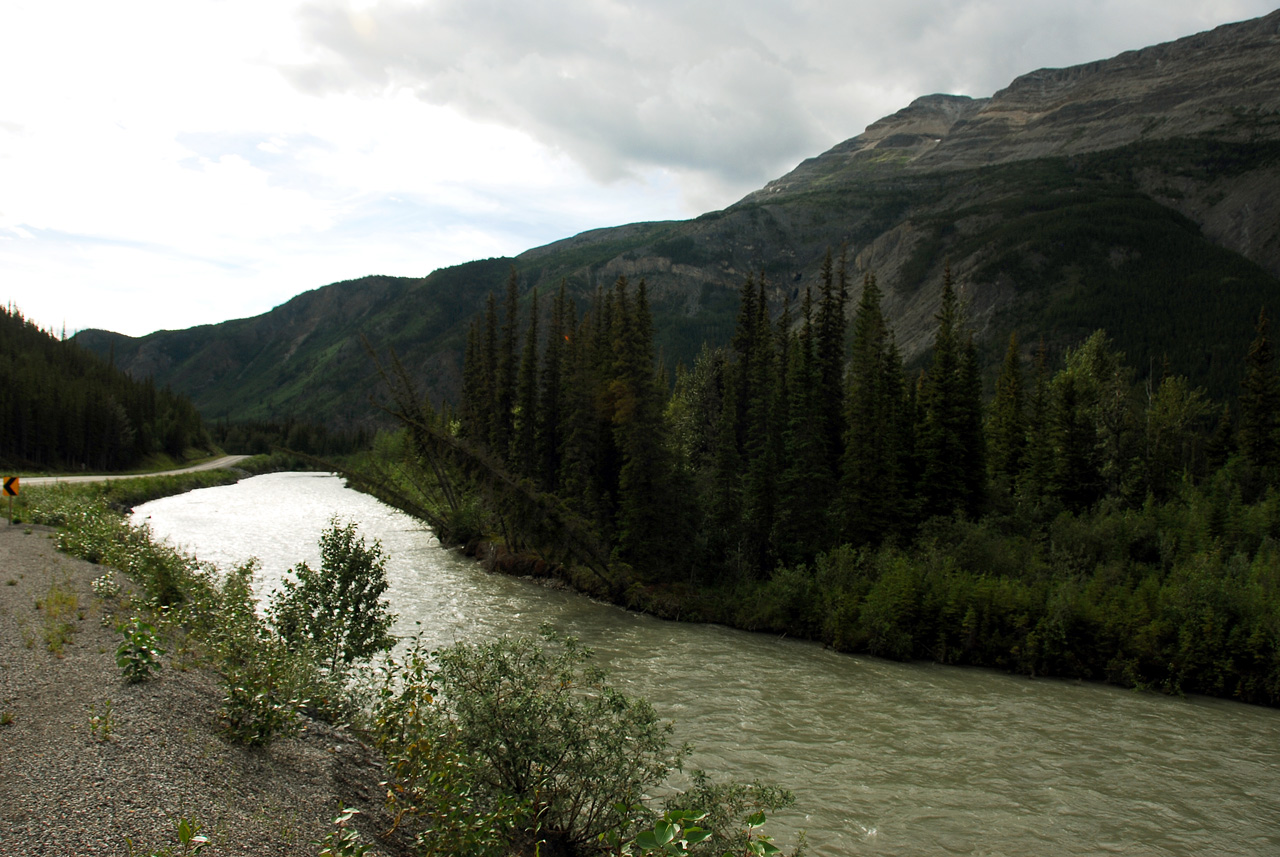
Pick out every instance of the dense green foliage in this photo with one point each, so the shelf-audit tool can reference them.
(336, 613)
(271, 677)
(66, 409)
(520, 746)
(1080, 523)
(138, 655)
(513, 746)
(256, 437)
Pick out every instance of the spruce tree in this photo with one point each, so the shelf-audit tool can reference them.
(644, 477)
(551, 405)
(473, 404)
(805, 486)
(505, 372)
(972, 438)
(948, 457)
(831, 329)
(487, 392)
(871, 496)
(1076, 478)
(525, 448)
(1037, 465)
(1006, 428)
(1259, 433)
(758, 495)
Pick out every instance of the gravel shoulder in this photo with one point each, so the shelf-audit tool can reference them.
(159, 756)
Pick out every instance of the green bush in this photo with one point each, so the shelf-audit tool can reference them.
(266, 681)
(525, 736)
(520, 746)
(138, 656)
(337, 614)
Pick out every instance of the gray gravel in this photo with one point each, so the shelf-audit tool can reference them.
(66, 791)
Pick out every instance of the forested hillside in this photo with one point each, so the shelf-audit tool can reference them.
(64, 408)
(1082, 522)
(1140, 194)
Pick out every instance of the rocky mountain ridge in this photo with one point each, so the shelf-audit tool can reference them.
(1140, 194)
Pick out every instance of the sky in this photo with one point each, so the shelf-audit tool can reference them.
(169, 163)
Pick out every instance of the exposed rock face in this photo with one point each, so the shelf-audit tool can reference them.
(1216, 81)
(913, 131)
(1225, 81)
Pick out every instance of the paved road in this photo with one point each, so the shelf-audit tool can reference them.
(217, 463)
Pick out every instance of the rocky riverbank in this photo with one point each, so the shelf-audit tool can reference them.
(89, 763)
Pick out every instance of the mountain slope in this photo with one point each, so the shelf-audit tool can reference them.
(1140, 194)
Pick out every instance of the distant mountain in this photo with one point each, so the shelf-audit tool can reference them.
(1140, 194)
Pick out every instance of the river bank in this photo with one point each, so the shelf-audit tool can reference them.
(884, 757)
(88, 763)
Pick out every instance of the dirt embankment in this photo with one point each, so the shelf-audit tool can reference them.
(88, 762)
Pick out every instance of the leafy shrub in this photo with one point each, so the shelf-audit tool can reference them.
(105, 586)
(433, 781)
(730, 813)
(343, 840)
(336, 613)
(265, 680)
(138, 656)
(523, 740)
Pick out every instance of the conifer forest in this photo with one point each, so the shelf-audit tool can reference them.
(1074, 518)
(63, 407)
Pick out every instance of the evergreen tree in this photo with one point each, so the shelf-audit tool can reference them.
(551, 397)
(587, 450)
(1006, 428)
(505, 378)
(723, 522)
(1037, 465)
(972, 438)
(871, 473)
(1259, 433)
(949, 459)
(525, 452)
(1076, 479)
(806, 485)
(758, 493)
(831, 329)
(488, 390)
(644, 478)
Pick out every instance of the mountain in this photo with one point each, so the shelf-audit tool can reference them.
(1140, 194)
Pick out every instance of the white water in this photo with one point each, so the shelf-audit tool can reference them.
(884, 758)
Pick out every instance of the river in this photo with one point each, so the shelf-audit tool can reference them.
(884, 758)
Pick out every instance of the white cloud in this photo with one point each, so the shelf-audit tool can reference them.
(734, 93)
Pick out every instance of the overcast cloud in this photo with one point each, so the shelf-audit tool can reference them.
(167, 164)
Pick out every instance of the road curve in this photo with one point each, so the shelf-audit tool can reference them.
(215, 464)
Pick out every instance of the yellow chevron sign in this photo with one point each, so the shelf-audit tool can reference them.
(11, 486)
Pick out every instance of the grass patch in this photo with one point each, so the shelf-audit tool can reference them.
(58, 608)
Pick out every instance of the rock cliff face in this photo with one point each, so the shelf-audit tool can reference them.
(1139, 193)
(1225, 82)
(1211, 83)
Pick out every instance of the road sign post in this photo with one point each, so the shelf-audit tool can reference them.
(11, 491)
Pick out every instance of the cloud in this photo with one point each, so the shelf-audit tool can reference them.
(719, 95)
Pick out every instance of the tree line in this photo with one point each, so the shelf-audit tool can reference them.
(64, 408)
(1079, 520)
(806, 432)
